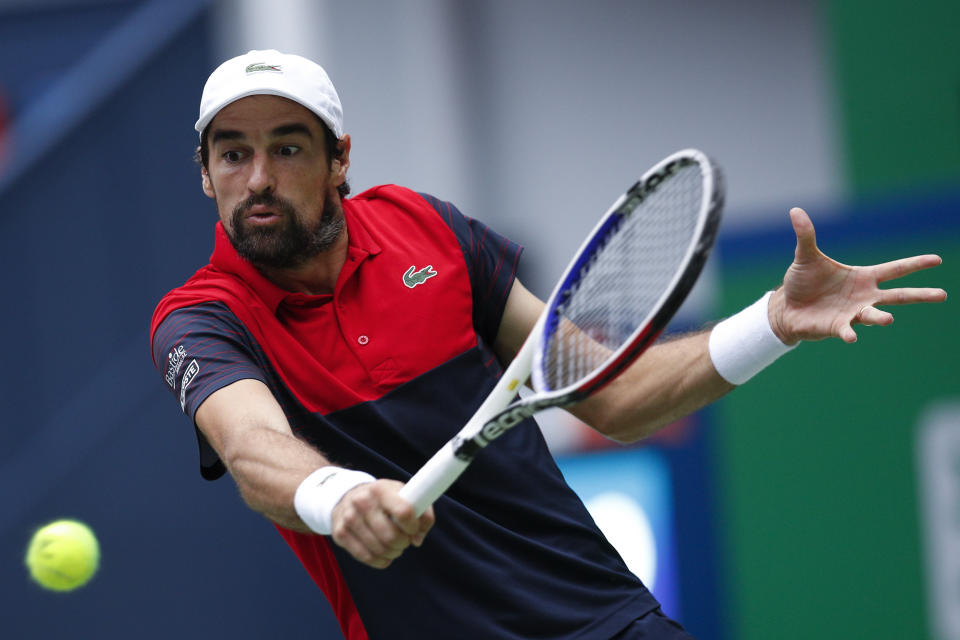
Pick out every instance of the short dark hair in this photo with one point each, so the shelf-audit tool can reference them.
(330, 143)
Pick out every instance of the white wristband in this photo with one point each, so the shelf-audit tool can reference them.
(320, 492)
(743, 345)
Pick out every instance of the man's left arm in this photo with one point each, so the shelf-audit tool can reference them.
(819, 298)
(671, 379)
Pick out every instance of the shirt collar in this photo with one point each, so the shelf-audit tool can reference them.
(361, 245)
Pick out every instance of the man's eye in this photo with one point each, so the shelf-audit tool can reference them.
(233, 156)
(288, 150)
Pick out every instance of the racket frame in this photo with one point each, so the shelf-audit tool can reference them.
(708, 222)
(497, 414)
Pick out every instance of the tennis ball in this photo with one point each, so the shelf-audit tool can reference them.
(63, 555)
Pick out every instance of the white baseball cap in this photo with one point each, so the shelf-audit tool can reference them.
(272, 73)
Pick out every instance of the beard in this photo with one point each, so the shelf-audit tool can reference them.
(290, 243)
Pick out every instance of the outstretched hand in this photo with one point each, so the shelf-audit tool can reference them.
(821, 297)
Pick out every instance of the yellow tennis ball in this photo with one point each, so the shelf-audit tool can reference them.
(63, 555)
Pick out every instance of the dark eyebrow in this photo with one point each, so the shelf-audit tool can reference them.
(290, 129)
(220, 135)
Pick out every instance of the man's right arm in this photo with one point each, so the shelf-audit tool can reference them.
(246, 426)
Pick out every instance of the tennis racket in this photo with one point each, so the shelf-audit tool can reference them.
(617, 295)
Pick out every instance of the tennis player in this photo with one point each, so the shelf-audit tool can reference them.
(333, 343)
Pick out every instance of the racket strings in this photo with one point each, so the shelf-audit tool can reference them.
(620, 287)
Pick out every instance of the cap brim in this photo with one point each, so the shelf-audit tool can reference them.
(208, 117)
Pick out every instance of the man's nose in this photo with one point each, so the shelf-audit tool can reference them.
(261, 178)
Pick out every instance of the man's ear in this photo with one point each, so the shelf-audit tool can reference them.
(207, 183)
(340, 164)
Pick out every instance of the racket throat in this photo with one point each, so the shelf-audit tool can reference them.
(466, 448)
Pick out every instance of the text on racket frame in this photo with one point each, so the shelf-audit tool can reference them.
(467, 448)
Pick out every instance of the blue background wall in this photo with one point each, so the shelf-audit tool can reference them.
(93, 233)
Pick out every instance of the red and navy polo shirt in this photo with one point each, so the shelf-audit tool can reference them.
(378, 375)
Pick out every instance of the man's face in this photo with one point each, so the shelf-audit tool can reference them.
(276, 190)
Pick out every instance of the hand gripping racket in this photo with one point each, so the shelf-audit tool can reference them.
(618, 293)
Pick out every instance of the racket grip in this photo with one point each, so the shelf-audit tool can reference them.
(433, 478)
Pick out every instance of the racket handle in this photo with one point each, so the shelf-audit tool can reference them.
(433, 479)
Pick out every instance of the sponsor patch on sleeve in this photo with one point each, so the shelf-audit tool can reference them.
(188, 375)
(174, 362)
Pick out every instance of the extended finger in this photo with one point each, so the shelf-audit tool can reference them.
(806, 235)
(910, 295)
(870, 315)
(905, 266)
(847, 334)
